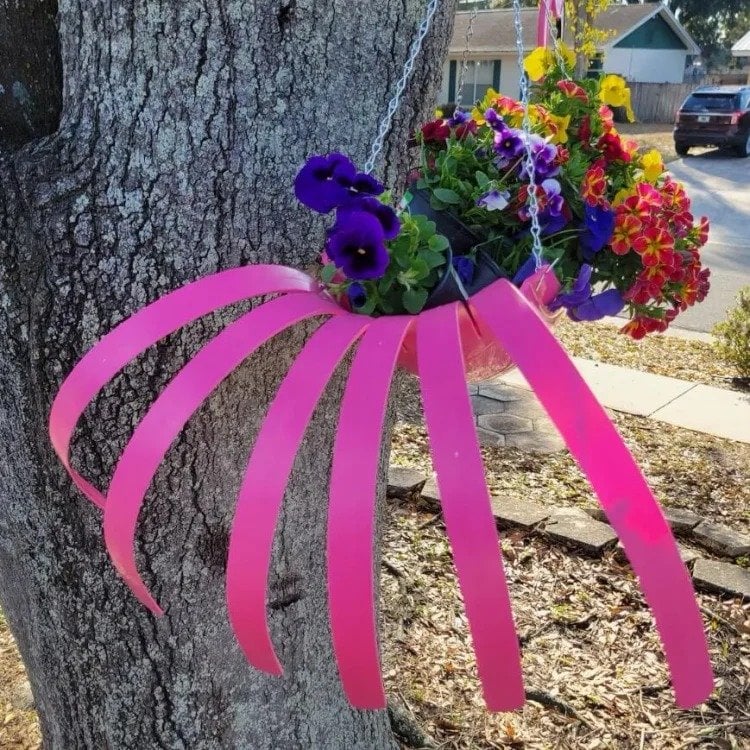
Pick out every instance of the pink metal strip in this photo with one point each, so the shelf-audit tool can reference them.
(466, 507)
(623, 492)
(351, 511)
(171, 411)
(150, 324)
(265, 481)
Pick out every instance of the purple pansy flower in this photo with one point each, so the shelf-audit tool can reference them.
(494, 120)
(543, 157)
(464, 267)
(598, 306)
(508, 144)
(579, 292)
(599, 224)
(494, 200)
(356, 244)
(383, 213)
(357, 294)
(459, 118)
(325, 182)
(525, 270)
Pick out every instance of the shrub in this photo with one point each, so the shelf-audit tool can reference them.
(733, 335)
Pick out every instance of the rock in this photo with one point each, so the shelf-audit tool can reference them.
(536, 442)
(403, 481)
(21, 698)
(430, 491)
(505, 424)
(723, 577)
(687, 555)
(483, 405)
(529, 408)
(682, 521)
(576, 527)
(501, 392)
(514, 511)
(722, 539)
(490, 438)
(597, 513)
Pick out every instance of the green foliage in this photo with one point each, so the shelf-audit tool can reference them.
(733, 335)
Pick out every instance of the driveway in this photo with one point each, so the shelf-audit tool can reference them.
(719, 186)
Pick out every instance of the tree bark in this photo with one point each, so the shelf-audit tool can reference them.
(182, 126)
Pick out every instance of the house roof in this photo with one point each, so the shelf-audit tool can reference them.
(494, 30)
(742, 48)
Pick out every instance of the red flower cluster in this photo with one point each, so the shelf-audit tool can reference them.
(656, 223)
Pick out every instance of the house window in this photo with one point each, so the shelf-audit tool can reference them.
(480, 75)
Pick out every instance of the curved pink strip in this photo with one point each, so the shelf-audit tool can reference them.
(616, 479)
(351, 511)
(542, 27)
(466, 507)
(150, 324)
(170, 412)
(266, 478)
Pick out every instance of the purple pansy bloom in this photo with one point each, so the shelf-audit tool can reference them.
(464, 267)
(525, 270)
(494, 120)
(543, 157)
(600, 223)
(508, 144)
(459, 118)
(356, 244)
(579, 292)
(383, 213)
(494, 200)
(357, 294)
(325, 182)
(598, 306)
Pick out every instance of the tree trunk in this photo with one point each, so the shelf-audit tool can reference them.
(182, 127)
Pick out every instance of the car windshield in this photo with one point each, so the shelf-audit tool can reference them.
(711, 102)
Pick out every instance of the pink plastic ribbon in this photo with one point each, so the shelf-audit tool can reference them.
(351, 511)
(547, 8)
(143, 329)
(170, 412)
(622, 491)
(266, 478)
(466, 507)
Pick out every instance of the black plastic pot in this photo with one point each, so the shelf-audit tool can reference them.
(462, 241)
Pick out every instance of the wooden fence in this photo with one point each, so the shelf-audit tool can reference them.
(658, 102)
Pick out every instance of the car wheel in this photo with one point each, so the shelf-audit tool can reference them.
(681, 149)
(744, 150)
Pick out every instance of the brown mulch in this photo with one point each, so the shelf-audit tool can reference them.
(674, 357)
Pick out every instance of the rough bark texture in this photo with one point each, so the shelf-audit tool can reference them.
(182, 127)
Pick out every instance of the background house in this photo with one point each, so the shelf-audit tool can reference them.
(647, 45)
(741, 49)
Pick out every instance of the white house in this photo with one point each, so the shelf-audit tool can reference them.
(741, 49)
(646, 44)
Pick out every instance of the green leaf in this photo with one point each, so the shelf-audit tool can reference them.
(482, 179)
(438, 243)
(414, 300)
(433, 260)
(368, 307)
(328, 272)
(444, 195)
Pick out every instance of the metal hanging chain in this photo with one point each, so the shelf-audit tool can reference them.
(528, 160)
(552, 25)
(387, 121)
(465, 57)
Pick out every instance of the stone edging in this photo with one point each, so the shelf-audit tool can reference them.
(587, 531)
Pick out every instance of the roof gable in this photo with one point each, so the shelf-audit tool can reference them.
(656, 33)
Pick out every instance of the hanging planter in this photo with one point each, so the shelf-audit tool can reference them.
(519, 213)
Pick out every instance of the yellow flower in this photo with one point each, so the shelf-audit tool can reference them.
(477, 114)
(621, 195)
(612, 91)
(438, 114)
(568, 55)
(628, 106)
(538, 63)
(652, 165)
(558, 127)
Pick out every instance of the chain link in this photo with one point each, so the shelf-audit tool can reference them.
(552, 24)
(465, 57)
(387, 121)
(528, 160)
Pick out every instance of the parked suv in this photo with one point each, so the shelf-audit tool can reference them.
(714, 116)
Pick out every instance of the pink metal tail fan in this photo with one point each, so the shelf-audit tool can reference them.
(500, 326)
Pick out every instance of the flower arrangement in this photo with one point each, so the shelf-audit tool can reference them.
(616, 229)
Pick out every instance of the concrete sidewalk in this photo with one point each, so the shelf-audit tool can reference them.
(702, 408)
